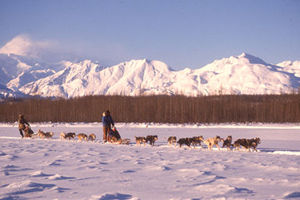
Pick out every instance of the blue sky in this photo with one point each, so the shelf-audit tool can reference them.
(182, 34)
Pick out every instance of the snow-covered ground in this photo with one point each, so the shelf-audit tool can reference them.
(55, 169)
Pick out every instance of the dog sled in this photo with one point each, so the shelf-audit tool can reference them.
(28, 132)
(114, 137)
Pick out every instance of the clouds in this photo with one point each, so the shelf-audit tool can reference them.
(50, 51)
(23, 45)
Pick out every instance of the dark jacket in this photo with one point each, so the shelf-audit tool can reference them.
(22, 123)
(107, 121)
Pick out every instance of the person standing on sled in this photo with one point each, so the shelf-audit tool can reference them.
(22, 121)
(107, 122)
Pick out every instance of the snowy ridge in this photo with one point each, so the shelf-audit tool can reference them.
(243, 74)
(21, 70)
(290, 66)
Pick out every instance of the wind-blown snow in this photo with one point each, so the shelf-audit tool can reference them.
(23, 45)
(55, 169)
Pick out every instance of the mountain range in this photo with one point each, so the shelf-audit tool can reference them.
(23, 76)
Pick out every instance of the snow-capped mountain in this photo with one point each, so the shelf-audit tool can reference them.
(17, 70)
(23, 72)
(246, 74)
(8, 93)
(243, 74)
(88, 78)
(292, 67)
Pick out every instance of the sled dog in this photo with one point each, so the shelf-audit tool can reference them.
(227, 142)
(151, 139)
(196, 140)
(140, 140)
(186, 141)
(70, 135)
(92, 137)
(253, 143)
(247, 143)
(210, 142)
(82, 136)
(62, 136)
(172, 140)
(43, 135)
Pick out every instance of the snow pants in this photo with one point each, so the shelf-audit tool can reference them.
(105, 133)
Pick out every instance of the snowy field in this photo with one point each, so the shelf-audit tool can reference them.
(55, 169)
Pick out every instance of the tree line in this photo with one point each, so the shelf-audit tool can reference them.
(158, 109)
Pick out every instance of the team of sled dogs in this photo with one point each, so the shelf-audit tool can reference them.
(69, 136)
(210, 142)
(172, 140)
(41, 134)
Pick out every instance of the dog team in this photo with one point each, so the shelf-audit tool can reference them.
(247, 144)
(210, 142)
(111, 135)
(28, 133)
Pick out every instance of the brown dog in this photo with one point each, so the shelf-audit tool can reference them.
(92, 137)
(151, 139)
(67, 135)
(210, 142)
(44, 135)
(140, 140)
(247, 143)
(172, 140)
(253, 143)
(240, 142)
(196, 140)
(82, 136)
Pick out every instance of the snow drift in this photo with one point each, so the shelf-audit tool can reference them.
(62, 169)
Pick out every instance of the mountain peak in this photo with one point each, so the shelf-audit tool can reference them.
(252, 59)
(244, 54)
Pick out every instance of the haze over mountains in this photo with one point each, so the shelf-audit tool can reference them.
(24, 73)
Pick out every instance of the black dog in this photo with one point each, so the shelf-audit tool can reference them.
(70, 135)
(247, 143)
(196, 140)
(151, 139)
(186, 141)
(227, 142)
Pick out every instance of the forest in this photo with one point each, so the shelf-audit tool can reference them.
(158, 109)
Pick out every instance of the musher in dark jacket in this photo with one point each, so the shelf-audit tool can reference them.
(22, 121)
(107, 122)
